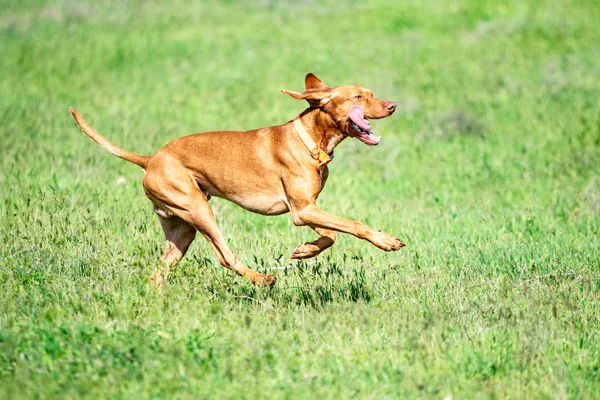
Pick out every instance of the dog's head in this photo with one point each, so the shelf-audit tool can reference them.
(350, 107)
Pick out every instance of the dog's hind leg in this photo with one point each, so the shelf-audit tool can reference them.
(179, 235)
(200, 215)
(169, 185)
(311, 249)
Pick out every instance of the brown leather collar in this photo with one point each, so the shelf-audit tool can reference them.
(315, 151)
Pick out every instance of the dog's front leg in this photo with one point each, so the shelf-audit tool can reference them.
(314, 248)
(302, 192)
(314, 216)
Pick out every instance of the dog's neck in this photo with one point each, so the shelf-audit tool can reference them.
(322, 129)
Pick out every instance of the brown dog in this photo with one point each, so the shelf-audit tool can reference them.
(269, 171)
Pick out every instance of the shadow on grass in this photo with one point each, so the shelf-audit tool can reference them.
(311, 284)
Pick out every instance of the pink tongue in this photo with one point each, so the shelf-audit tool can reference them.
(357, 115)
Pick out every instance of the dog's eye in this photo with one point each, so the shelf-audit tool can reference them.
(358, 97)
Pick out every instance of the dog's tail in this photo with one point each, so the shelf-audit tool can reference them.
(137, 159)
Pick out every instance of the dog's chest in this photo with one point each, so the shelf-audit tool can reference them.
(323, 175)
(264, 204)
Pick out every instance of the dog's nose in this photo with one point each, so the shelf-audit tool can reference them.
(391, 106)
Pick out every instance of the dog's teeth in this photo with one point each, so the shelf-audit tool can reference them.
(378, 138)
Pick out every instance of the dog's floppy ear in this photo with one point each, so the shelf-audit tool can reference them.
(314, 97)
(311, 82)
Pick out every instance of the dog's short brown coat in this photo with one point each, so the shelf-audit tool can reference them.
(268, 171)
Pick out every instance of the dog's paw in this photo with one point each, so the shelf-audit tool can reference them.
(306, 250)
(385, 241)
(265, 280)
(156, 280)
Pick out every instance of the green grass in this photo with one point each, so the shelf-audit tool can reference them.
(489, 172)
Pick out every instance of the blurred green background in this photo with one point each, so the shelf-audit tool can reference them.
(488, 171)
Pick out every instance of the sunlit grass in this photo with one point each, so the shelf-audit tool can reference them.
(489, 172)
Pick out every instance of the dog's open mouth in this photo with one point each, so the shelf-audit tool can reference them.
(361, 127)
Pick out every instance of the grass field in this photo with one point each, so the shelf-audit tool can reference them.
(488, 171)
